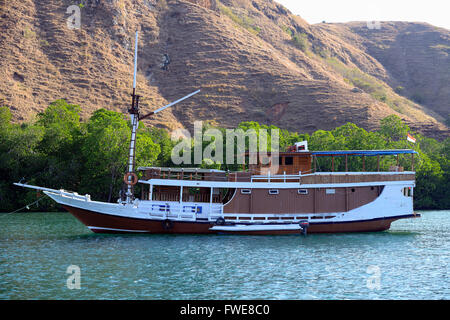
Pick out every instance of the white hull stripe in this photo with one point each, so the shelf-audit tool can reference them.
(259, 227)
(112, 229)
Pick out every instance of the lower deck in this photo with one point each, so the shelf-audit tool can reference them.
(315, 196)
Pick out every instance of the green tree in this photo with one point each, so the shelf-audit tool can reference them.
(62, 127)
(161, 137)
(393, 128)
(61, 144)
(105, 149)
(18, 159)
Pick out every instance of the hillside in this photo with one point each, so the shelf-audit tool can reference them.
(253, 60)
(416, 58)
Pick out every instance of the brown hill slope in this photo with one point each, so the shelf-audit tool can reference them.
(253, 60)
(416, 57)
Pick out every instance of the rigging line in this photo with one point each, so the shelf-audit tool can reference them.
(30, 204)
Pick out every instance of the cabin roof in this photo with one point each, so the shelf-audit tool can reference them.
(198, 170)
(282, 153)
(362, 152)
(341, 152)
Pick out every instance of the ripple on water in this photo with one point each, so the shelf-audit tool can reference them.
(410, 261)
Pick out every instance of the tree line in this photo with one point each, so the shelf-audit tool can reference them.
(58, 150)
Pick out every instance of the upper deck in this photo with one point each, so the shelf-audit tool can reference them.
(296, 166)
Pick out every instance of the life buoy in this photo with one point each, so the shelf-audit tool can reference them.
(134, 178)
(167, 224)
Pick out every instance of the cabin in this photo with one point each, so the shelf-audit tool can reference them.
(296, 159)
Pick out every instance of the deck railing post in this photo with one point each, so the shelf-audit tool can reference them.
(210, 201)
(181, 202)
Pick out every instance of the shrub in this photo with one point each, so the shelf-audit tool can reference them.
(300, 40)
(242, 20)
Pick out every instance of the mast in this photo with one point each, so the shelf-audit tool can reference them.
(130, 177)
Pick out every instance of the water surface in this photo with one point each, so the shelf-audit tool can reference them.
(410, 261)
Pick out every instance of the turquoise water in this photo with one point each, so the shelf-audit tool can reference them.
(410, 261)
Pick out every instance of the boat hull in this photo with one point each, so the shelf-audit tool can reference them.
(106, 223)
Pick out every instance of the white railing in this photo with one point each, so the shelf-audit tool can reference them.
(74, 195)
(61, 192)
(285, 177)
(341, 173)
(277, 218)
(186, 211)
(216, 213)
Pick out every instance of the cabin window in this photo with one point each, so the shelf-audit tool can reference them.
(273, 191)
(302, 191)
(246, 191)
(407, 192)
(330, 191)
(280, 160)
(288, 161)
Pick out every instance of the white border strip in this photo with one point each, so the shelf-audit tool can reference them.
(112, 229)
(244, 227)
(267, 185)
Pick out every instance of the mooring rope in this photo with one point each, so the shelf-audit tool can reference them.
(27, 206)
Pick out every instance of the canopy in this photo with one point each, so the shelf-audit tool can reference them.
(362, 152)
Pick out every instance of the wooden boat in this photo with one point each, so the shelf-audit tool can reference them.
(290, 200)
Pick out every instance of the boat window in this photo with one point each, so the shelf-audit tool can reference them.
(280, 160)
(407, 192)
(273, 191)
(302, 191)
(288, 161)
(246, 191)
(330, 191)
